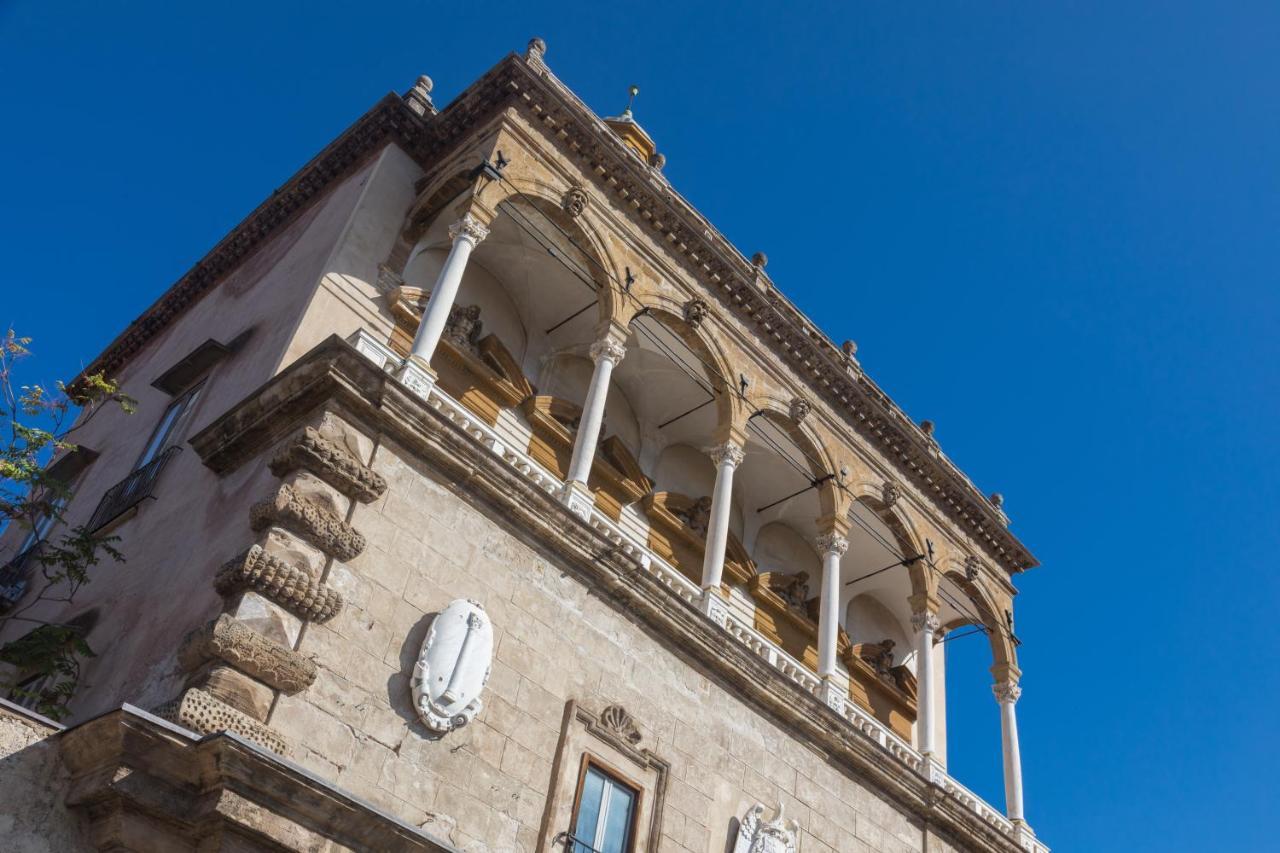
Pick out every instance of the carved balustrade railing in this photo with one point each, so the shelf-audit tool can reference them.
(680, 586)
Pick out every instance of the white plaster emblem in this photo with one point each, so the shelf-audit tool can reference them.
(757, 835)
(453, 666)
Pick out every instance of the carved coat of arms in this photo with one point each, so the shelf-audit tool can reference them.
(757, 835)
(453, 666)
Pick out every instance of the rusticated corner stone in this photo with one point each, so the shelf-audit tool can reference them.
(200, 712)
(274, 579)
(228, 639)
(311, 451)
(310, 521)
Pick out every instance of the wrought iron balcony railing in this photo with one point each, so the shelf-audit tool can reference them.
(15, 576)
(130, 491)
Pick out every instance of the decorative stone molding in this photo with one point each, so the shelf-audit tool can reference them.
(832, 543)
(609, 350)
(314, 523)
(695, 311)
(470, 228)
(616, 719)
(574, 202)
(198, 711)
(311, 451)
(271, 577)
(727, 452)
(776, 835)
(453, 666)
(1007, 692)
(800, 408)
(230, 640)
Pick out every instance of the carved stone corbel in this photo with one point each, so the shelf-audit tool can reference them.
(274, 579)
(312, 522)
(228, 639)
(311, 451)
(202, 713)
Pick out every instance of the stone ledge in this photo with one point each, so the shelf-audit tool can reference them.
(313, 452)
(142, 783)
(274, 579)
(315, 524)
(227, 638)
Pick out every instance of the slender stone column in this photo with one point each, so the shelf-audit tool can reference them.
(833, 547)
(727, 457)
(926, 623)
(606, 353)
(467, 234)
(1007, 693)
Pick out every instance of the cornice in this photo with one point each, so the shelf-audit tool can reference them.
(333, 375)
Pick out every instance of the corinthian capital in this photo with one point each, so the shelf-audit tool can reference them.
(470, 227)
(832, 543)
(727, 452)
(1006, 691)
(926, 620)
(608, 349)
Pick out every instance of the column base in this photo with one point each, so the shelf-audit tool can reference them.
(578, 498)
(1024, 836)
(933, 769)
(417, 376)
(714, 607)
(835, 692)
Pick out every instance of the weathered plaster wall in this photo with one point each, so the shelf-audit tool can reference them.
(485, 786)
(176, 542)
(33, 783)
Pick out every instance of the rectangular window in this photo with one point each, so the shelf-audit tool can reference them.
(170, 429)
(605, 812)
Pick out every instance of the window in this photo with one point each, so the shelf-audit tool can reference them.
(605, 812)
(169, 431)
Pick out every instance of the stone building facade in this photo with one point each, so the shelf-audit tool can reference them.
(494, 501)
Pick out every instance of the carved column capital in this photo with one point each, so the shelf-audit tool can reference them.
(926, 620)
(1007, 692)
(609, 350)
(727, 452)
(832, 543)
(470, 227)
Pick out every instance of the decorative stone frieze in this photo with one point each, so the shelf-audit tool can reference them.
(230, 640)
(311, 451)
(273, 578)
(776, 835)
(312, 522)
(202, 713)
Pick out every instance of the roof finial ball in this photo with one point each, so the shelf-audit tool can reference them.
(997, 500)
(536, 50)
(632, 91)
(927, 427)
(759, 260)
(419, 97)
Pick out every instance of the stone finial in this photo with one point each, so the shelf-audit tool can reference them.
(419, 97)
(759, 260)
(850, 349)
(927, 427)
(536, 50)
(997, 500)
(657, 160)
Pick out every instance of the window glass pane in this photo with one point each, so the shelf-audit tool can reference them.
(162, 432)
(588, 811)
(617, 821)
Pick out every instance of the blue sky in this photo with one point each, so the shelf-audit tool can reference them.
(1050, 227)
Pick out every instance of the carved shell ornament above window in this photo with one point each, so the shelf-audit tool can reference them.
(453, 666)
(616, 719)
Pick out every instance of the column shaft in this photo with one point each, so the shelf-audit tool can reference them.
(925, 623)
(466, 234)
(727, 457)
(606, 354)
(1007, 695)
(832, 547)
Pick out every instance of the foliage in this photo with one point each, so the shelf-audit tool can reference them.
(45, 659)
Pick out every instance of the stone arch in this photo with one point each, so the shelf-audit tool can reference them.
(815, 456)
(1003, 652)
(909, 541)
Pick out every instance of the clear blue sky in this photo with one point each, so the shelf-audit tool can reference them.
(1051, 228)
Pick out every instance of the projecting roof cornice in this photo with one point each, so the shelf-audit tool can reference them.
(530, 86)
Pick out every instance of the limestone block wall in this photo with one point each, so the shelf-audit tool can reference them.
(486, 786)
(33, 818)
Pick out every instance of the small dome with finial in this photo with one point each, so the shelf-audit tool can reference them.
(630, 132)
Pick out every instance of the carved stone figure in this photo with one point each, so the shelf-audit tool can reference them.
(878, 655)
(971, 566)
(453, 666)
(793, 589)
(890, 493)
(697, 516)
(463, 327)
(695, 311)
(757, 835)
(800, 408)
(574, 201)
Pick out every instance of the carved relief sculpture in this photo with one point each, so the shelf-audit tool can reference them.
(793, 589)
(695, 311)
(800, 408)
(463, 327)
(757, 835)
(697, 516)
(453, 666)
(574, 201)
